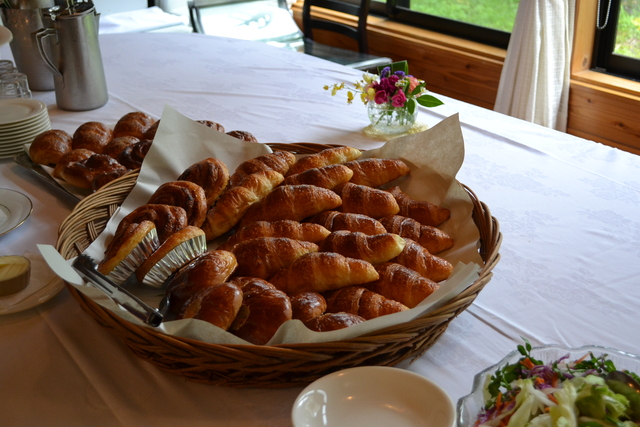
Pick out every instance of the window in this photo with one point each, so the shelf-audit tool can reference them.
(617, 43)
(483, 21)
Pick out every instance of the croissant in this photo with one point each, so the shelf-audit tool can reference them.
(417, 258)
(294, 202)
(333, 321)
(325, 177)
(424, 212)
(375, 249)
(185, 194)
(307, 305)
(261, 314)
(376, 172)
(218, 305)
(334, 221)
(168, 219)
(208, 269)
(401, 284)
(306, 231)
(263, 256)
(279, 161)
(433, 239)
(328, 156)
(251, 284)
(211, 174)
(322, 271)
(361, 301)
(366, 200)
(234, 202)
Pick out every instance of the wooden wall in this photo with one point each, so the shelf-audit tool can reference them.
(470, 72)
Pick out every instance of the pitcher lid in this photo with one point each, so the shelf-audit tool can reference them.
(74, 9)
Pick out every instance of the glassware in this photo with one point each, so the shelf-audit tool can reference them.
(14, 85)
(390, 120)
(6, 66)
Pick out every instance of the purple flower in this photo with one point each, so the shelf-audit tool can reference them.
(400, 74)
(385, 72)
(398, 99)
(381, 97)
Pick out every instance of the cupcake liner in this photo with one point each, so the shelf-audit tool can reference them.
(173, 260)
(148, 245)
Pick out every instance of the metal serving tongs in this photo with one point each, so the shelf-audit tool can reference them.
(87, 268)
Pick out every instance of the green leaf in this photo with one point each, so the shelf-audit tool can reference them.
(411, 105)
(429, 101)
(396, 66)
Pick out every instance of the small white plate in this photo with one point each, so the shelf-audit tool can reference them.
(14, 110)
(5, 35)
(15, 208)
(373, 396)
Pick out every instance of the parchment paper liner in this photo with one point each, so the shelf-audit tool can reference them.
(435, 156)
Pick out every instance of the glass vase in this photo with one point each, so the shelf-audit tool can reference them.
(389, 120)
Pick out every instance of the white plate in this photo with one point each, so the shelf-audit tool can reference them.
(26, 135)
(5, 35)
(15, 208)
(14, 110)
(24, 126)
(373, 396)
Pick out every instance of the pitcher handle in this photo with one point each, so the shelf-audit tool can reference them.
(40, 35)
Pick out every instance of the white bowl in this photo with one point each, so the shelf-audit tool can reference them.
(373, 396)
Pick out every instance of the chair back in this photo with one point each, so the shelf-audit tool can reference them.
(360, 10)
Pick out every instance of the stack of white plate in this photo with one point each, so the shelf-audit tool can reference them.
(21, 120)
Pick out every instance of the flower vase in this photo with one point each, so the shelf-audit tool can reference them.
(390, 120)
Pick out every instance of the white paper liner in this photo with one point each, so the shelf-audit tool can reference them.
(174, 259)
(434, 156)
(136, 257)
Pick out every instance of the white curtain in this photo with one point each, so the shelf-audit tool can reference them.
(534, 84)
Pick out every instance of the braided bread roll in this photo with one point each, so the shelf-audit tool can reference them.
(70, 157)
(279, 161)
(308, 232)
(133, 155)
(294, 202)
(420, 260)
(431, 238)
(218, 305)
(376, 172)
(361, 301)
(82, 172)
(185, 194)
(401, 284)
(263, 256)
(211, 174)
(367, 200)
(334, 221)
(328, 156)
(167, 219)
(234, 202)
(424, 212)
(326, 177)
(322, 271)
(375, 249)
(307, 305)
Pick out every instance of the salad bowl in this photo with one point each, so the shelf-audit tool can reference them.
(469, 406)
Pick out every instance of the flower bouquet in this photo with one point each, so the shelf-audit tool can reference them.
(391, 97)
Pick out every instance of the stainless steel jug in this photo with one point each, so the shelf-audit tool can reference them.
(23, 23)
(76, 61)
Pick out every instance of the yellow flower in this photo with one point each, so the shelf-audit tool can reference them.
(350, 97)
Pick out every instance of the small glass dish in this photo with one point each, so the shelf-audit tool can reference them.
(469, 406)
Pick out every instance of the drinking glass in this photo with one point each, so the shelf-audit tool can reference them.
(14, 85)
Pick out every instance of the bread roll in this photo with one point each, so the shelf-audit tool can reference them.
(279, 161)
(377, 172)
(261, 314)
(361, 301)
(263, 256)
(69, 158)
(92, 136)
(123, 244)
(322, 271)
(151, 132)
(102, 179)
(294, 202)
(308, 232)
(218, 304)
(375, 249)
(211, 174)
(185, 194)
(234, 202)
(365, 200)
(243, 135)
(209, 269)
(82, 172)
(335, 221)
(48, 147)
(399, 283)
(118, 145)
(212, 125)
(133, 156)
(307, 305)
(333, 321)
(417, 258)
(167, 219)
(424, 212)
(431, 238)
(133, 124)
(326, 157)
(326, 177)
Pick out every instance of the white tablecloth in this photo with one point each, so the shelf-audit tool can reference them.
(568, 208)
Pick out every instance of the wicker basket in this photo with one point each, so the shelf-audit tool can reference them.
(275, 366)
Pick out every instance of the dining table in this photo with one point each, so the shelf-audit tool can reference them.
(568, 209)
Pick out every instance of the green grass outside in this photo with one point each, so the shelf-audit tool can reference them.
(628, 37)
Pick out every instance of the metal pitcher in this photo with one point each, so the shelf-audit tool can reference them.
(76, 62)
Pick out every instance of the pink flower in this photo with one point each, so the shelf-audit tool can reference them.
(398, 99)
(413, 83)
(381, 97)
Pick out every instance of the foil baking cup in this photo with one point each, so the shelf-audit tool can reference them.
(172, 261)
(143, 250)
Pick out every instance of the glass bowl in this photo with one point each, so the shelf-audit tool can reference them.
(470, 405)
